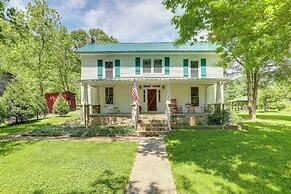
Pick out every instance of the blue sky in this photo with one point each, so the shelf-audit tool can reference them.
(126, 20)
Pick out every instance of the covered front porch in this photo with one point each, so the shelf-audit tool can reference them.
(189, 96)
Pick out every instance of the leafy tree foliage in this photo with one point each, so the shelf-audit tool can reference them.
(100, 36)
(235, 89)
(81, 37)
(40, 106)
(61, 106)
(256, 34)
(3, 112)
(19, 103)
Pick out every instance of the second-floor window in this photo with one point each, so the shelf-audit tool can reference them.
(158, 66)
(109, 69)
(194, 69)
(109, 95)
(152, 66)
(147, 66)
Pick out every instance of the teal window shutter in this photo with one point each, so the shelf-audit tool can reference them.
(117, 68)
(100, 69)
(203, 68)
(185, 65)
(167, 65)
(137, 65)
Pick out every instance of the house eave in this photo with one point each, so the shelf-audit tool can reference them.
(161, 79)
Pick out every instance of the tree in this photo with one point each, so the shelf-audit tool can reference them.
(67, 63)
(40, 106)
(255, 34)
(61, 106)
(19, 103)
(7, 18)
(80, 37)
(100, 36)
(3, 112)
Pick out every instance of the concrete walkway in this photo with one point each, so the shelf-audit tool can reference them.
(151, 172)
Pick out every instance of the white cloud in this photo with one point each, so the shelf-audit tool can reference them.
(20, 4)
(132, 21)
(79, 4)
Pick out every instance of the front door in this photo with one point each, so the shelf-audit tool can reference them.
(152, 100)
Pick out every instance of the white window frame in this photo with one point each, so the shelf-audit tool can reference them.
(152, 65)
(105, 95)
(143, 66)
(199, 67)
(104, 69)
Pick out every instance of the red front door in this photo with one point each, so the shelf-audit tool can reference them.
(152, 100)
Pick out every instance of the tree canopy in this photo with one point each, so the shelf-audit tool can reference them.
(254, 34)
(40, 52)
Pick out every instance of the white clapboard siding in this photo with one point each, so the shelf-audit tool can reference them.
(89, 68)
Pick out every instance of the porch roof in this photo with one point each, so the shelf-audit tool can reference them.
(202, 80)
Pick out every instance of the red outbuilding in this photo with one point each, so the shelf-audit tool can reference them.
(52, 97)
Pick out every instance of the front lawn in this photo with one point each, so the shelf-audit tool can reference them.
(225, 161)
(6, 129)
(65, 166)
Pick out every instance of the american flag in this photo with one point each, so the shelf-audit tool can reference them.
(134, 92)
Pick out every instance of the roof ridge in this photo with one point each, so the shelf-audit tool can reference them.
(147, 42)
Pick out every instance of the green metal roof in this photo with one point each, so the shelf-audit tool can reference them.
(147, 47)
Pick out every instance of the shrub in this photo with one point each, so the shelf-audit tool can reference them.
(219, 117)
(40, 106)
(277, 105)
(59, 130)
(18, 100)
(234, 118)
(61, 106)
(200, 121)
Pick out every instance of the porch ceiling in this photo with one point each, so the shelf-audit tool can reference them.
(152, 80)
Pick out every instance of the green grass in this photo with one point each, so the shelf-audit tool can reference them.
(65, 166)
(6, 129)
(257, 160)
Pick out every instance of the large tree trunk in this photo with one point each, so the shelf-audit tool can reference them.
(252, 89)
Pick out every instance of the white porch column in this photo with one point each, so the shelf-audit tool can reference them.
(85, 94)
(217, 96)
(84, 100)
(221, 93)
(169, 92)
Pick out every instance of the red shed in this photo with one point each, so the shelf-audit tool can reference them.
(52, 97)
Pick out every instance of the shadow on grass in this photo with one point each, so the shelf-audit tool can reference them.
(8, 147)
(255, 161)
(107, 182)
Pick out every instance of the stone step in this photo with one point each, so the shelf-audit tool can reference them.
(152, 133)
(150, 128)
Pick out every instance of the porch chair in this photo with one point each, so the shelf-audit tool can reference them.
(176, 108)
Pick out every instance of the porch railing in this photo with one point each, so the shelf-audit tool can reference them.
(135, 113)
(168, 114)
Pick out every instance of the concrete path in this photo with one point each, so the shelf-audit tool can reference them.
(151, 172)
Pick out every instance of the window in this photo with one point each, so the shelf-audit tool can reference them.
(108, 69)
(194, 69)
(109, 95)
(147, 65)
(158, 66)
(195, 96)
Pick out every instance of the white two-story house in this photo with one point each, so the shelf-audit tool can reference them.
(185, 74)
